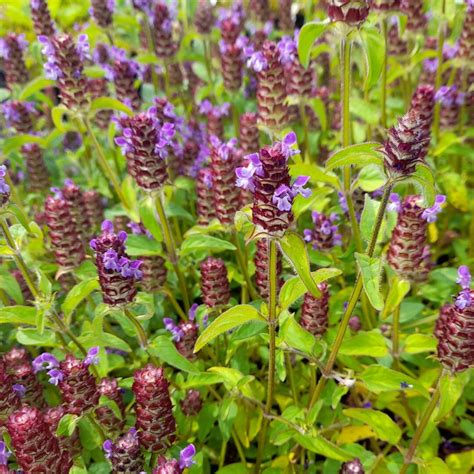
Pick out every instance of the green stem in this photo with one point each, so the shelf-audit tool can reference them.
(208, 57)
(439, 73)
(171, 249)
(421, 427)
(304, 123)
(174, 303)
(272, 322)
(104, 164)
(291, 378)
(356, 292)
(383, 95)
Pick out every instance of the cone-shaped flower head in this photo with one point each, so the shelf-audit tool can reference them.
(11, 51)
(165, 45)
(38, 174)
(249, 139)
(267, 177)
(192, 403)
(215, 116)
(451, 100)
(102, 11)
(73, 194)
(35, 449)
(117, 273)
(205, 197)
(224, 160)
(109, 388)
(385, 5)
(204, 17)
(351, 12)
(406, 145)
(455, 327)
(145, 143)
(98, 88)
(155, 422)
(261, 261)
(324, 235)
(215, 286)
(232, 62)
(9, 399)
(416, 19)
(185, 333)
(4, 187)
(63, 231)
(466, 41)
(423, 102)
(408, 253)
(23, 378)
(176, 466)
(315, 311)
(42, 22)
(124, 73)
(70, 444)
(352, 467)
(65, 63)
(94, 208)
(125, 454)
(19, 115)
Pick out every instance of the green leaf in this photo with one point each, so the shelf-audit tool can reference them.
(230, 319)
(109, 103)
(319, 445)
(368, 217)
(370, 269)
(67, 424)
(320, 110)
(294, 288)
(398, 290)
(381, 379)
(142, 246)
(358, 155)
(198, 242)
(384, 427)
(295, 336)
(424, 179)
(77, 294)
(149, 219)
(57, 115)
(11, 287)
(365, 343)
(308, 35)
(451, 389)
(33, 337)
(14, 143)
(417, 343)
(165, 350)
(18, 315)
(294, 249)
(34, 86)
(88, 434)
(373, 44)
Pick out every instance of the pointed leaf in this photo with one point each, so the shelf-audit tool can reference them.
(370, 269)
(308, 35)
(358, 155)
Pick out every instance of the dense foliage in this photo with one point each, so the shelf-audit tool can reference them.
(236, 237)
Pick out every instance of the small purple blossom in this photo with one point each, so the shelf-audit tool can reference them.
(288, 50)
(463, 300)
(448, 96)
(255, 60)
(431, 213)
(92, 357)
(4, 454)
(343, 201)
(192, 312)
(430, 65)
(4, 187)
(287, 145)
(283, 198)
(298, 187)
(173, 329)
(19, 390)
(186, 456)
(395, 203)
(464, 277)
(107, 447)
(55, 376)
(45, 361)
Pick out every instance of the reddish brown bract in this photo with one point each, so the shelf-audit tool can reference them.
(215, 287)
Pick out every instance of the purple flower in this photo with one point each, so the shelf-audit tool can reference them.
(288, 50)
(367, 405)
(463, 300)
(83, 47)
(287, 143)
(448, 96)
(298, 187)
(450, 51)
(92, 357)
(431, 213)
(255, 60)
(343, 201)
(19, 390)
(4, 187)
(107, 447)
(4, 454)
(192, 312)
(45, 361)
(283, 198)
(395, 203)
(173, 329)
(55, 376)
(430, 65)
(464, 277)
(186, 456)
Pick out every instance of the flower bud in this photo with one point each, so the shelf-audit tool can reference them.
(423, 103)
(215, 286)
(315, 311)
(14, 67)
(351, 12)
(94, 208)
(35, 449)
(192, 404)
(63, 232)
(261, 261)
(38, 174)
(125, 454)
(224, 159)
(188, 334)
(4, 187)
(42, 22)
(65, 63)
(155, 423)
(78, 387)
(117, 274)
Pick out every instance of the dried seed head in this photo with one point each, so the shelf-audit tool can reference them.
(78, 387)
(155, 423)
(224, 160)
(14, 67)
(261, 261)
(125, 454)
(215, 286)
(42, 22)
(351, 12)
(35, 449)
(315, 311)
(65, 63)
(117, 274)
(63, 232)
(406, 145)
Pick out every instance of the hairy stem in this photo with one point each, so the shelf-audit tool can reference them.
(171, 249)
(272, 321)
(356, 292)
